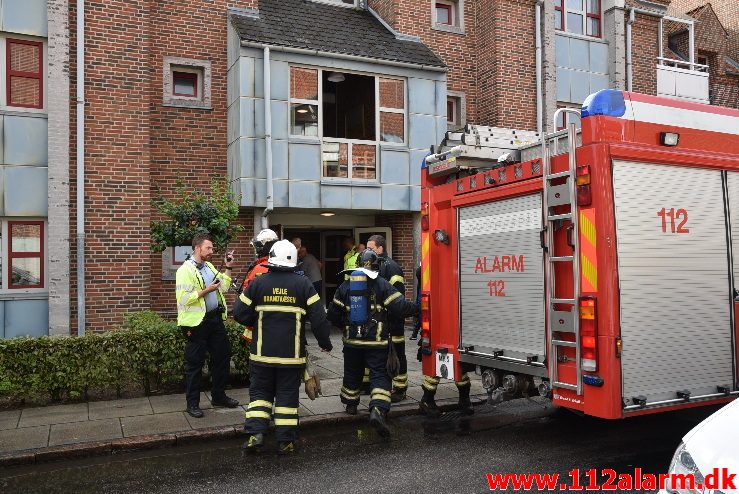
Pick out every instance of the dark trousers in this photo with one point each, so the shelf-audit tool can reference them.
(400, 382)
(276, 387)
(375, 359)
(209, 337)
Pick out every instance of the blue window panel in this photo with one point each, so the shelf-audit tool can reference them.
(233, 122)
(258, 78)
(395, 198)
(422, 131)
(579, 54)
(247, 77)
(579, 87)
(248, 193)
(246, 118)
(25, 140)
(25, 17)
(441, 128)
(232, 80)
(441, 95)
(394, 167)
(598, 82)
(562, 50)
(366, 197)
(563, 84)
(305, 161)
(259, 117)
(416, 163)
(279, 160)
(415, 201)
(234, 160)
(25, 191)
(599, 57)
(260, 192)
(279, 120)
(247, 156)
(26, 318)
(422, 96)
(279, 80)
(305, 195)
(281, 193)
(336, 197)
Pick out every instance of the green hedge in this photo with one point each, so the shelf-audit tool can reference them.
(147, 350)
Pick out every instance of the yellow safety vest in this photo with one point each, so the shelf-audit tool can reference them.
(190, 307)
(350, 260)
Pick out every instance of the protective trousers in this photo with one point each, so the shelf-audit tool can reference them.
(463, 385)
(208, 337)
(400, 382)
(375, 359)
(276, 387)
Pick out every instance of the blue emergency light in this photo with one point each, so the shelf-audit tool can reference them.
(608, 102)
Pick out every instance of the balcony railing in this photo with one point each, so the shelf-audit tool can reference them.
(683, 80)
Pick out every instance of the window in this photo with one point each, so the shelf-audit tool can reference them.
(578, 17)
(444, 14)
(448, 15)
(351, 114)
(454, 111)
(303, 102)
(185, 84)
(24, 79)
(25, 254)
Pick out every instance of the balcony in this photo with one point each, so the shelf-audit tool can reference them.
(682, 80)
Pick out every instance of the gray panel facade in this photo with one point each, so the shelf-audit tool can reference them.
(674, 289)
(502, 277)
(25, 191)
(581, 66)
(26, 318)
(24, 17)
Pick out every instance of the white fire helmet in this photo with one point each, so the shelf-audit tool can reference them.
(283, 254)
(264, 239)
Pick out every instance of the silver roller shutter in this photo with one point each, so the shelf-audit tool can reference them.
(509, 230)
(674, 287)
(732, 183)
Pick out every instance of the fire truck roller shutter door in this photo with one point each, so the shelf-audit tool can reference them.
(502, 278)
(674, 282)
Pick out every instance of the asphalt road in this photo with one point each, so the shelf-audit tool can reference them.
(450, 455)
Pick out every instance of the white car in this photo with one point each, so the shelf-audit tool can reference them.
(710, 452)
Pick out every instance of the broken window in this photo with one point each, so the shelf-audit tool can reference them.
(349, 110)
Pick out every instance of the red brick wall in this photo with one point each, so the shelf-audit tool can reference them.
(644, 54)
(134, 144)
(387, 9)
(402, 227)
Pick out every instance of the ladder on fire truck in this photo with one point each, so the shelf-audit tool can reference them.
(562, 196)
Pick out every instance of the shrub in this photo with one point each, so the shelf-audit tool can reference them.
(147, 350)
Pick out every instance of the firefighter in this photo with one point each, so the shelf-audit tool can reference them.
(428, 402)
(201, 310)
(393, 273)
(276, 304)
(262, 244)
(362, 313)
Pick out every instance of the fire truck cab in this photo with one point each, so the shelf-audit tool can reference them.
(602, 276)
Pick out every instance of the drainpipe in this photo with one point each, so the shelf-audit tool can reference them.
(80, 167)
(539, 95)
(629, 74)
(268, 137)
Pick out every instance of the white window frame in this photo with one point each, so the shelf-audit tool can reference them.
(3, 80)
(457, 9)
(584, 14)
(5, 291)
(377, 142)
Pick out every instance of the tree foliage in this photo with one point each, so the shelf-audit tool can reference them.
(192, 212)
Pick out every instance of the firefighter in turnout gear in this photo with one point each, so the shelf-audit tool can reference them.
(393, 273)
(276, 304)
(428, 402)
(262, 244)
(361, 307)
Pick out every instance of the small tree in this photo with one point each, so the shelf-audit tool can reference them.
(192, 212)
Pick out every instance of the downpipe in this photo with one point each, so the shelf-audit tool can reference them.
(81, 168)
(539, 91)
(267, 73)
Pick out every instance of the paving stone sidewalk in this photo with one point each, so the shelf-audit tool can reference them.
(116, 421)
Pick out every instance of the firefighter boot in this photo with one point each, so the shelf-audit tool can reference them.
(465, 405)
(351, 409)
(397, 395)
(428, 404)
(286, 448)
(254, 444)
(377, 420)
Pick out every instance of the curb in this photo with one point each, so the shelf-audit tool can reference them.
(157, 441)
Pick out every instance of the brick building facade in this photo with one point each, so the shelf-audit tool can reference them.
(177, 92)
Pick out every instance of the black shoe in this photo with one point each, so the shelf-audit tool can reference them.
(225, 402)
(377, 420)
(195, 411)
(428, 405)
(351, 409)
(465, 406)
(286, 448)
(397, 395)
(254, 443)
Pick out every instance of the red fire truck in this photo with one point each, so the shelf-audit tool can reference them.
(602, 276)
